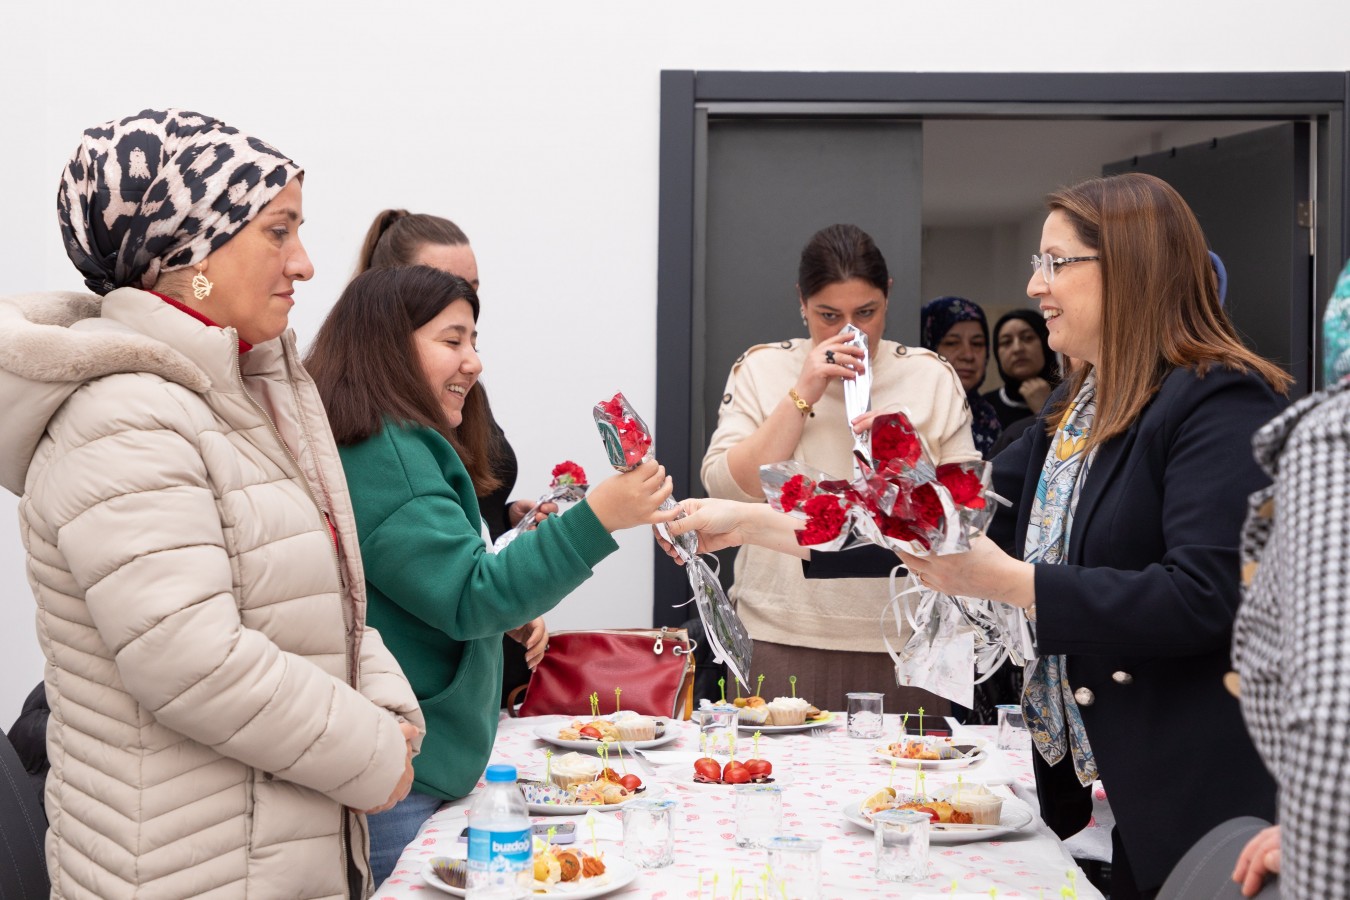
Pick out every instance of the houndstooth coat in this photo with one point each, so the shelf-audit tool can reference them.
(1292, 636)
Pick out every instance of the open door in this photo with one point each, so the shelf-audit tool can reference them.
(1252, 195)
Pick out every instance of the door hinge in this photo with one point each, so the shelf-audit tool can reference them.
(1306, 213)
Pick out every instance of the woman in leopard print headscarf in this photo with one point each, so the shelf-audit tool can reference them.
(160, 191)
(219, 708)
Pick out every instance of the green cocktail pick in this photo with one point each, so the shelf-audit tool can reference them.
(792, 682)
(722, 690)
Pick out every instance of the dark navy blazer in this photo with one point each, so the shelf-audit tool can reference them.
(1144, 611)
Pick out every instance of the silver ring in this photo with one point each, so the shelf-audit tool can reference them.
(829, 357)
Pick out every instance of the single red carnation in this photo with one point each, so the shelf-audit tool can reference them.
(894, 441)
(824, 520)
(925, 509)
(900, 529)
(965, 486)
(568, 472)
(795, 491)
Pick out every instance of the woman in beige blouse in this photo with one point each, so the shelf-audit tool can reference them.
(785, 401)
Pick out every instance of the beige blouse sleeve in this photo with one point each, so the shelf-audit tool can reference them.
(737, 419)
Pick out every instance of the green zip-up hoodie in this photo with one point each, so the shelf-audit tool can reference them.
(441, 600)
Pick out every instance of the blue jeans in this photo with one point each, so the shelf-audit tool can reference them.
(394, 829)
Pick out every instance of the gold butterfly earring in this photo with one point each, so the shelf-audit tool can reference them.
(201, 286)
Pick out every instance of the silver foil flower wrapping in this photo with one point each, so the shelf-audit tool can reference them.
(628, 442)
(900, 500)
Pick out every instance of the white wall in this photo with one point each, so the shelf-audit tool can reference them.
(535, 126)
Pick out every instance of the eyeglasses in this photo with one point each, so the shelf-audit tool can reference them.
(1047, 264)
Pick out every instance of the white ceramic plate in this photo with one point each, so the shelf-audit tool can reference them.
(577, 809)
(932, 765)
(826, 718)
(549, 735)
(781, 780)
(621, 873)
(1015, 817)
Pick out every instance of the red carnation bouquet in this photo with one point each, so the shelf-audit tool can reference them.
(628, 443)
(900, 499)
(568, 486)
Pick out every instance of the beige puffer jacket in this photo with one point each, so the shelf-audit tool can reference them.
(217, 703)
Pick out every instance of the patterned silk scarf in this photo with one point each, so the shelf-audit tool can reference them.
(1047, 700)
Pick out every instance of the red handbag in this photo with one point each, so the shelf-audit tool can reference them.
(653, 667)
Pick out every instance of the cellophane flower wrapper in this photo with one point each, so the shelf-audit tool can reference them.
(628, 443)
(858, 394)
(569, 486)
(901, 500)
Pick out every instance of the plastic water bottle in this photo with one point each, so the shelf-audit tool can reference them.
(501, 858)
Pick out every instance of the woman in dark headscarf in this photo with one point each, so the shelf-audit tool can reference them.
(956, 328)
(1025, 362)
(219, 710)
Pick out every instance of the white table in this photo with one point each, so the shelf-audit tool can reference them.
(828, 769)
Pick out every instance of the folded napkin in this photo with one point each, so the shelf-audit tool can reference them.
(670, 757)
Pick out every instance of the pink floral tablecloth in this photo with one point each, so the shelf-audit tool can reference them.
(827, 769)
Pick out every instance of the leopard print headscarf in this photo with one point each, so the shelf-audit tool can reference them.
(159, 191)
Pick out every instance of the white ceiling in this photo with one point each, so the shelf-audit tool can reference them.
(991, 172)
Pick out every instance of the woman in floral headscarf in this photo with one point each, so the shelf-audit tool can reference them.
(219, 709)
(957, 329)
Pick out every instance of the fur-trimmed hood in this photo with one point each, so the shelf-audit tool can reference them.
(52, 343)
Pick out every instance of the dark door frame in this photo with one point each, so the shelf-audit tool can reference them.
(687, 96)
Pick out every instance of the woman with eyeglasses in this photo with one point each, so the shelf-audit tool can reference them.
(1124, 547)
(1122, 544)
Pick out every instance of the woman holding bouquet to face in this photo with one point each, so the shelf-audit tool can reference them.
(396, 362)
(1124, 547)
(785, 401)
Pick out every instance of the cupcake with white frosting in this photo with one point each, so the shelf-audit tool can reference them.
(573, 768)
(634, 727)
(787, 711)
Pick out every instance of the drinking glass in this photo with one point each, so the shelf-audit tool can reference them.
(1012, 728)
(759, 812)
(901, 840)
(864, 714)
(718, 726)
(794, 867)
(648, 833)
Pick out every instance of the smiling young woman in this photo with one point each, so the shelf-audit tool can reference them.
(395, 364)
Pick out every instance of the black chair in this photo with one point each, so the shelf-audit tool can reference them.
(1206, 871)
(23, 827)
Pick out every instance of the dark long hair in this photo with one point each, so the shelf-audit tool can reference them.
(839, 253)
(1160, 297)
(396, 235)
(366, 367)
